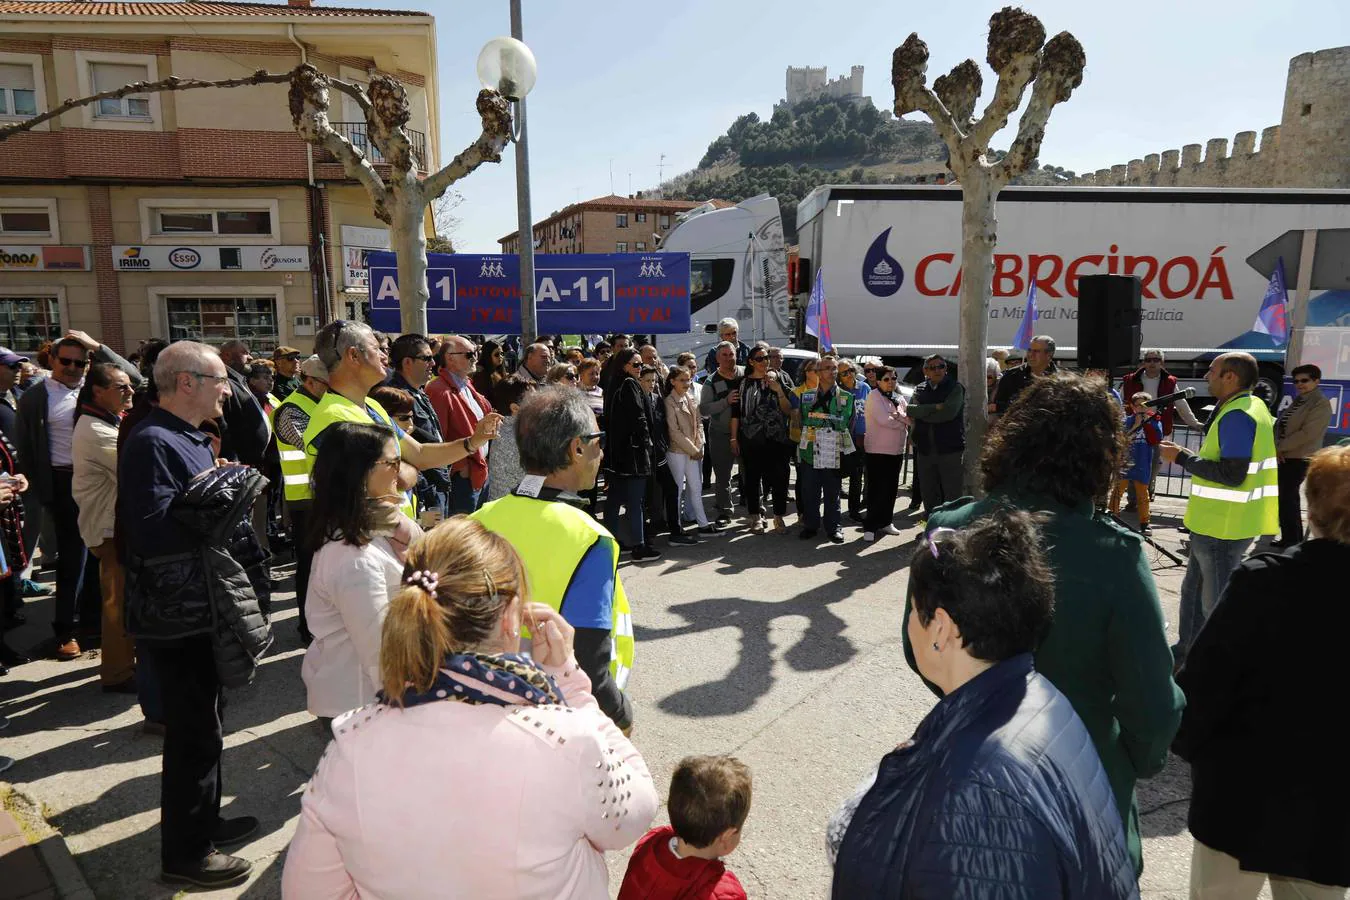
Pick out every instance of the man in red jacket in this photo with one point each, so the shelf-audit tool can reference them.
(1153, 379)
(459, 407)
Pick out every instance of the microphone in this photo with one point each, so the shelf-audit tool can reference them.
(1168, 399)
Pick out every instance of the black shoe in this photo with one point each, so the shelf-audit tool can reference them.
(127, 686)
(216, 870)
(685, 539)
(837, 536)
(856, 516)
(11, 657)
(807, 534)
(711, 529)
(1146, 531)
(723, 518)
(234, 831)
(642, 553)
(4, 670)
(306, 638)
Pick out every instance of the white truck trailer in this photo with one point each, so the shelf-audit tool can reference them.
(891, 264)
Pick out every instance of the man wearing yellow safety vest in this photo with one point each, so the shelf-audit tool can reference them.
(1234, 489)
(355, 364)
(289, 421)
(571, 561)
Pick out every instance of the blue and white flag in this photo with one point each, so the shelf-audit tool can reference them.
(1273, 317)
(1027, 329)
(817, 316)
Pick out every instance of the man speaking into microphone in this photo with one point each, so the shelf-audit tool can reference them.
(1155, 380)
(1234, 494)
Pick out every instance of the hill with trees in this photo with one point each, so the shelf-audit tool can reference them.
(823, 141)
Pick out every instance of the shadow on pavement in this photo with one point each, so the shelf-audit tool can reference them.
(1165, 799)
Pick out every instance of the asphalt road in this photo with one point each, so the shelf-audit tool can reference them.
(783, 653)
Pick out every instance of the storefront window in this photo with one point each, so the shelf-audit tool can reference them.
(25, 322)
(215, 320)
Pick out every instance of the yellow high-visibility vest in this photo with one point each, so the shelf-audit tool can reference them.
(1252, 508)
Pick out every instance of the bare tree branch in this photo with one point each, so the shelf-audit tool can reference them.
(1061, 70)
(909, 65)
(958, 90)
(172, 83)
(353, 90)
(1015, 39)
(355, 164)
(495, 112)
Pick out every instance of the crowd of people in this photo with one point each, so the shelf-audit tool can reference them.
(444, 506)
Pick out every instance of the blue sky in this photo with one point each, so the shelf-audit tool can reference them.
(626, 81)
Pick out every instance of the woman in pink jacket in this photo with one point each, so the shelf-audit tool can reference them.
(886, 434)
(479, 773)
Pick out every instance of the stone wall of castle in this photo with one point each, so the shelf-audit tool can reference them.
(809, 82)
(1310, 148)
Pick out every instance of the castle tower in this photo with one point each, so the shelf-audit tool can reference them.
(1314, 146)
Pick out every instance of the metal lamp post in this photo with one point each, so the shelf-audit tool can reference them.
(507, 66)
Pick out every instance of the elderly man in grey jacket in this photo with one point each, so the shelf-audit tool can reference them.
(44, 430)
(720, 401)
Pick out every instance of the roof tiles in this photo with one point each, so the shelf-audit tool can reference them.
(184, 8)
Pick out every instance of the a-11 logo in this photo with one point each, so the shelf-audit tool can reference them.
(582, 289)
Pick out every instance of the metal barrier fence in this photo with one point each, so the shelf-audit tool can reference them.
(1173, 480)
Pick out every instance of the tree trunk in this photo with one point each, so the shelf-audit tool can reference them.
(409, 242)
(978, 230)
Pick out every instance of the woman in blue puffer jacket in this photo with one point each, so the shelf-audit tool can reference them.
(1000, 792)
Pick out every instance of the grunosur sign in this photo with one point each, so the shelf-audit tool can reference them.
(584, 293)
(208, 258)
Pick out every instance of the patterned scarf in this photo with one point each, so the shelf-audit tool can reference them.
(503, 679)
(1282, 424)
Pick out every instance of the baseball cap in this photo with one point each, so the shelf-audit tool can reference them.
(283, 350)
(314, 368)
(9, 358)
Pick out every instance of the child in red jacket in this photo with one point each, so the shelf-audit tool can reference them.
(709, 801)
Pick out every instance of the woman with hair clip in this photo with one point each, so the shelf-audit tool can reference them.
(481, 772)
(998, 792)
(360, 539)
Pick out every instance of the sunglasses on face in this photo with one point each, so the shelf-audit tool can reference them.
(935, 368)
(759, 359)
(471, 354)
(72, 363)
(886, 378)
(425, 357)
(594, 436)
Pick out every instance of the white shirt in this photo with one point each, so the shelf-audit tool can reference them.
(61, 420)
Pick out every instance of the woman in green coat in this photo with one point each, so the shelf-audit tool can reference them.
(1054, 451)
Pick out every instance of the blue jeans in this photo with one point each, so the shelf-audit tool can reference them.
(820, 486)
(628, 491)
(463, 498)
(1211, 561)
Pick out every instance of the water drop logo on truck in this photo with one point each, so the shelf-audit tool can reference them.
(881, 272)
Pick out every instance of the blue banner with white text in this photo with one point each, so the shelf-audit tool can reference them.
(583, 293)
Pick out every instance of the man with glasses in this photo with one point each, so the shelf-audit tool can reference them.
(719, 401)
(939, 433)
(355, 365)
(44, 428)
(776, 366)
(571, 561)
(459, 409)
(827, 412)
(1152, 378)
(1040, 361)
(10, 364)
(290, 420)
(728, 331)
(411, 359)
(1298, 435)
(286, 360)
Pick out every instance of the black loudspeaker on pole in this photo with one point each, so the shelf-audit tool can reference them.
(1109, 317)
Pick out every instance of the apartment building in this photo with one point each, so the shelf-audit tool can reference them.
(610, 224)
(189, 214)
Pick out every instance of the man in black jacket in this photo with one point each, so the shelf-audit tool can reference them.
(159, 459)
(410, 359)
(44, 429)
(1040, 361)
(939, 433)
(244, 433)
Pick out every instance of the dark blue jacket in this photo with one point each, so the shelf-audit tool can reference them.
(1000, 795)
(939, 417)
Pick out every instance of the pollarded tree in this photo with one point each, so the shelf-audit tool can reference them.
(401, 199)
(1021, 56)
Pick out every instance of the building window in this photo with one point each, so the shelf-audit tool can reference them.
(252, 222)
(18, 91)
(23, 221)
(26, 322)
(665, 221)
(215, 320)
(107, 76)
(621, 220)
(621, 247)
(640, 246)
(640, 217)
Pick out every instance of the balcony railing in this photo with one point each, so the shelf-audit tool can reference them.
(356, 133)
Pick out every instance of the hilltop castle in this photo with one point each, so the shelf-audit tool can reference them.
(1310, 148)
(811, 82)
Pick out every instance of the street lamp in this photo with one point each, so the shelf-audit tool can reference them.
(507, 66)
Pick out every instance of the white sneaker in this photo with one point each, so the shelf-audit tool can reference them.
(890, 529)
(869, 536)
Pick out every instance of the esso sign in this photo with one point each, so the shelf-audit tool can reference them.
(184, 258)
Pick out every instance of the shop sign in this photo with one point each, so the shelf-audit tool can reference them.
(47, 258)
(165, 258)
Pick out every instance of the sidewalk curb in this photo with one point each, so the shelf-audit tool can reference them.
(67, 880)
